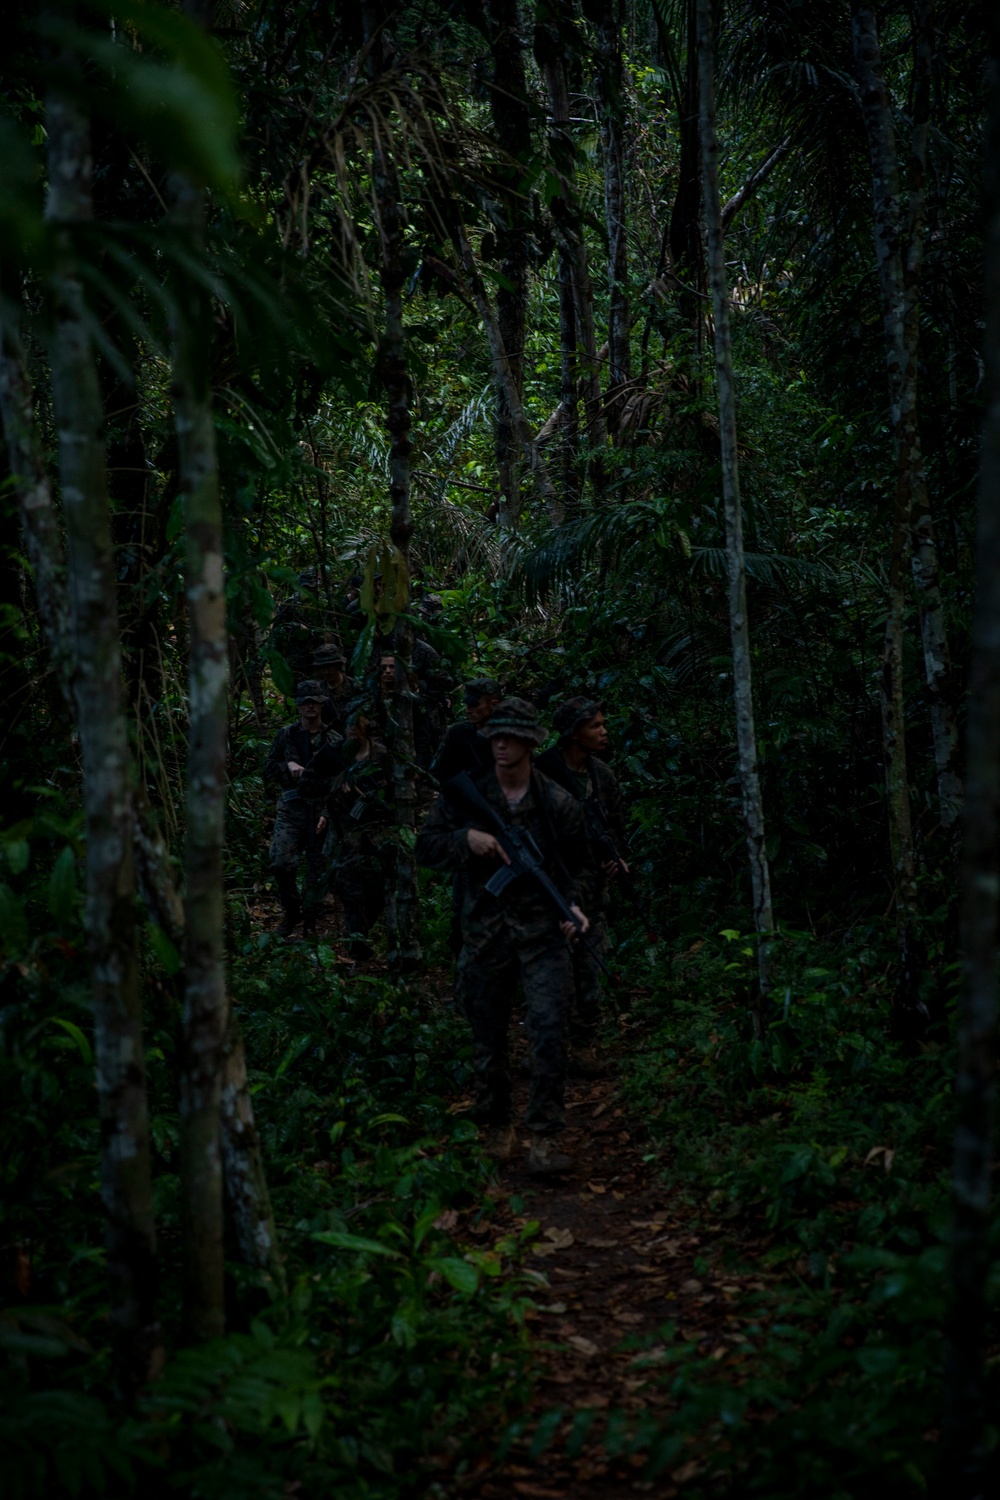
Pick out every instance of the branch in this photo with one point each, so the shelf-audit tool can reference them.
(753, 182)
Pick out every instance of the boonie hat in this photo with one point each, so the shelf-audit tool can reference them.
(570, 715)
(329, 655)
(515, 716)
(311, 691)
(482, 687)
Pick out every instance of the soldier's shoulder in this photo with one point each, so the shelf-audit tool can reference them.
(557, 796)
(603, 773)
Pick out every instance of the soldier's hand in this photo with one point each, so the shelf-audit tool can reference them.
(294, 769)
(485, 843)
(321, 826)
(571, 931)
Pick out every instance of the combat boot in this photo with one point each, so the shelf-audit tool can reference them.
(500, 1142)
(544, 1160)
(291, 906)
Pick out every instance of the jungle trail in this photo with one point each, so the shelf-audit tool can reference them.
(500, 654)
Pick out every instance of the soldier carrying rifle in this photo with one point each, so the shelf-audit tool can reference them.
(512, 821)
(576, 765)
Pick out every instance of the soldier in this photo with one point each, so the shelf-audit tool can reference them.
(463, 747)
(574, 764)
(353, 777)
(297, 622)
(516, 936)
(298, 822)
(329, 662)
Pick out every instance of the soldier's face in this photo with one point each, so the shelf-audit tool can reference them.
(509, 751)
(479, 712)
(593, 736)
(334, 675)
(388, 673)
(310, 712)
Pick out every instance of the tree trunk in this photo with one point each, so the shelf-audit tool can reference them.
(753, 807)
(554, 39)
(110, 915)
(402, 909)
(206, 1006)
(502, 376)
(610, 101)
(965, 1417)
(512, 123)
(43, 543)
(899, 255)
(687, 253)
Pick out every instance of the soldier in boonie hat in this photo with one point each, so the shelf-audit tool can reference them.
(572, 714)
(310, 691)
(329, 655)
(516, 717)
(479, 688)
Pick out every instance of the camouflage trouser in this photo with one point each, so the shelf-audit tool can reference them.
(585, 1008)
(294, 825)
(485, 986)
(358, 881)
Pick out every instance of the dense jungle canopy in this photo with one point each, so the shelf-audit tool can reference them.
(640, 350)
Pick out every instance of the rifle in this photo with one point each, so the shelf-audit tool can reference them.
(522, 851)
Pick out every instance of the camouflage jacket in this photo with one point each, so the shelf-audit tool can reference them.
(523, 911)
(600, 793)
(294, 743)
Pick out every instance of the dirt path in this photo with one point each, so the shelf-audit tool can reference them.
(620, 1258)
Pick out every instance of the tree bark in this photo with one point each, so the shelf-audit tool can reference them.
(43, 543)
(205, 1018)
(739, 627)
(965, 1416)
(610, 100)
(402, 908)
(554, 38)
(687, 253)
(899, 256)
(512, 123)
(109, 816)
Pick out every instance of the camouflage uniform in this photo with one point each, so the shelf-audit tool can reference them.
(598, 784)
(358, 798)
(514, 937)
(295, 821)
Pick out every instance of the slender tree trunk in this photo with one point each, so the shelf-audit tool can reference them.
(569, 407)
(43, 543)
(686, 246)
(512, 123)
(244, 1176)
(739, 627)
(503, 376)
(610, 101)
(554, 40)
(206, 1006)
(402, 910)
(962, 1458)
(899, 255)
(108, 810)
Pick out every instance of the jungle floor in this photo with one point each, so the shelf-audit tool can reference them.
(629, 1274)
(620, 1259)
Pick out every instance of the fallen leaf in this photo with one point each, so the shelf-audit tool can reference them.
(446, 1221)
(555, 1239)
(887, 1154)
(553, 1307)
(686, 1471)
(599, 1111)
(601, 1244)
(691, 1286)
(583, 1345)
(630, 1319)
(597, 1187)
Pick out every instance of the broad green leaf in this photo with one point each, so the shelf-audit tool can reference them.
(18, 853)
(284, 677)
(164, 949)
(62, 888)
(363, 650)
(72, 1029)
(341, 1241)
(457, 1273)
